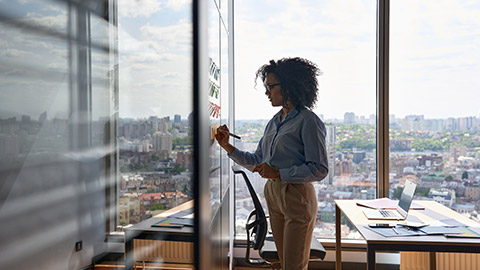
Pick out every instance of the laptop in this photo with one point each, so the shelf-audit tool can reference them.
(401, 212)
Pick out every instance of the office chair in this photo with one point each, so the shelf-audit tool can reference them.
(258, 230)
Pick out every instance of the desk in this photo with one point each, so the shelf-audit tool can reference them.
(377, 242)
(144, 230)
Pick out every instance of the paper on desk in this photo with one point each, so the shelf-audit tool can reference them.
(413, 224)
(449, 222)
(190, 216)
(464, 232)
(385, 203)
(399, 231)
(430, 230)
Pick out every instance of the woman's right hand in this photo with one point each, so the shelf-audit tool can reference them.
(222, 136)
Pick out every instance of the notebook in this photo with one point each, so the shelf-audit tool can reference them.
(401, 212)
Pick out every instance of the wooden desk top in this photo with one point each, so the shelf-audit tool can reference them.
(146, 225)
(181, 207)
(433, 211)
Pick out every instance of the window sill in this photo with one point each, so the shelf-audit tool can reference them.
(328, 244)
(115, 237)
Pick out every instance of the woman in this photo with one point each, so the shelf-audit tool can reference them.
(291, 155)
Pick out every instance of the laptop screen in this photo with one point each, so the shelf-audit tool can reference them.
(407, 196)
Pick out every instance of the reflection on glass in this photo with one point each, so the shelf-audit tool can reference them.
(225, 96)
(434, 124)
(340, 37)
(56, 106)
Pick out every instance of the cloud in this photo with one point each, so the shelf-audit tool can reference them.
(155, 70)
(138, 8)
(56, 22)
(170, 75)
(179, 5)
(433, 48)
(434, 52)
(11, 52)
(343, 48)
(172, 37)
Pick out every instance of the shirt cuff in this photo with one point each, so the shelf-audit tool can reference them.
(284, 175)
(234, 154)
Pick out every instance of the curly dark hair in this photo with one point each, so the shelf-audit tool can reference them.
(297, 77)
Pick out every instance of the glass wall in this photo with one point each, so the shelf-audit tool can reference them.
(434, 87)
(58, 101)
(155, 107)
(340, 37)
(96, 123)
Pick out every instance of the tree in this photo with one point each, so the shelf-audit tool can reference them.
(465, 175)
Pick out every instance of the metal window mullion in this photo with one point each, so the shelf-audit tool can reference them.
(383, 35)
(201, 137)
(112, 174)
(231, 120)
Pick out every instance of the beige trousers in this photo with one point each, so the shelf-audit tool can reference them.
(292, 209)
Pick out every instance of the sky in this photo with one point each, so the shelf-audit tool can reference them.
(434, 60)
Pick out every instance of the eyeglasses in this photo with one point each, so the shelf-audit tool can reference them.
(271, 86)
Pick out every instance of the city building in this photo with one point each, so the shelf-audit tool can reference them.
(129, 208)
(349, 118)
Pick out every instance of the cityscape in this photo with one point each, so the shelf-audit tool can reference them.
(441, 155)
(155, 168)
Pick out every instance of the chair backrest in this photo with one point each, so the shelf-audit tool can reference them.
(259, 226)
(259, 230)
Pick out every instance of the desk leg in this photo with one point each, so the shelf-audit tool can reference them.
(433, 260)
(128, 251)
(338, 239)
(370, 258)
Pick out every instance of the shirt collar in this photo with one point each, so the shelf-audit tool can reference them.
(289, 115)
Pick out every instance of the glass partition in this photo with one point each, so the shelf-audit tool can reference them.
(58, 105)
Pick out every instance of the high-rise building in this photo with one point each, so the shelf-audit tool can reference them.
(42, 117)
(451, 124)
(184, 159)
(358, 156)
(414, 122)
(25, 119)
(456, 151)
(331, 150)
(162, 142)
(349, 118)
(177, 118)
(164, 124)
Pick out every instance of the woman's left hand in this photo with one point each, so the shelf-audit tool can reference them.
(266, 171)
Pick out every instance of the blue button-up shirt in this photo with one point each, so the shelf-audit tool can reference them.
(294, 146)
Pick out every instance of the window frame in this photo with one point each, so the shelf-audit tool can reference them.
(383, 149)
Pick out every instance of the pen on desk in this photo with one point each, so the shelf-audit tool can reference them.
(235, 136)
(395, 230)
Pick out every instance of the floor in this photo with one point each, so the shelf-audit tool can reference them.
(151, 266)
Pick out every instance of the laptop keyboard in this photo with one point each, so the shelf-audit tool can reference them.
(387, 213)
